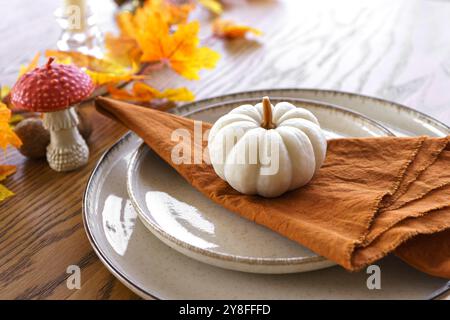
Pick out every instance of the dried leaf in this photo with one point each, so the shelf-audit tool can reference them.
(101, 71)
(33, 64)
(122, 49)
(100, 78)
(83, 60)
(212, 5)
(4, 91)
(179, 49)
(178, 13)
(230, 30)
(6, 170)
(7, 135)
(5, 192)
(125, 22)
(15, 119)
(142, 92)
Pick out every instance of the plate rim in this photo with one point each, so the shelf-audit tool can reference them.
(240, 259)
(442, 126)
(344, 110)
(125, 279)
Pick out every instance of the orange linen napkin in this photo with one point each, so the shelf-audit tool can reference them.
(371, 197)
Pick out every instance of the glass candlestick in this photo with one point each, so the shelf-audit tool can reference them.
(79, 29)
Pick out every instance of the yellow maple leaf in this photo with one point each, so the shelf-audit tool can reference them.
(212, 5)
(4, 91)
(230, 30)
(7, 135)
(180, 49)
(33, 64)
(142, 92)
(101, 78)
(101, 71)
(5, 192)
(5, 171)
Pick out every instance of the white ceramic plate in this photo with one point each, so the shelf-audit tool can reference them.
(192, 224)
(151, 269)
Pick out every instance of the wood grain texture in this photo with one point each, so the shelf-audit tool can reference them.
(398, 50)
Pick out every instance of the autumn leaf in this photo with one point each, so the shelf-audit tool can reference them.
(101, 71)
(178, 13)
(147, 36)
(100, 78)
(142, 92)
(125, 22)
(212, 5)
(230, 30)
(171, 12)
(83, 60)
(180, 49)
(4, 91)
(122, 49)
(5, 192)
(6, 170)
(33, 64)
(7, 135)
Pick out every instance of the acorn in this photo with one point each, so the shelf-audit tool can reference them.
(34, 136)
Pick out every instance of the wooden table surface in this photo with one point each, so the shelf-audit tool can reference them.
(398, 50)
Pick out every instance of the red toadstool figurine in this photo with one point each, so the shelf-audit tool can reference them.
(54, 89)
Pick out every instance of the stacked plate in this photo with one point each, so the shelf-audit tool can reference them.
(163, 239)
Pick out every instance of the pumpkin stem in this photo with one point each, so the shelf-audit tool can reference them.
(267, 116)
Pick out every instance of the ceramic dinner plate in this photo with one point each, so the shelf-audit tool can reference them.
(192, 224)
(152, 269)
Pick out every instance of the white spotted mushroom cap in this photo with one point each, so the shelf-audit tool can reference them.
(52, 87)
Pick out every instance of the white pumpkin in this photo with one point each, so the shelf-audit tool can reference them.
(267, 150)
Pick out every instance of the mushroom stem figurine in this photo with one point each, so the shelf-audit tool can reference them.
(55, 89)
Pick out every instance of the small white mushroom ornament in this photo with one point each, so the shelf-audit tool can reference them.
(267, 150)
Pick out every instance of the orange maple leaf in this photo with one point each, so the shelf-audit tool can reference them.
(6, 170)
(7, 135)
(142, 92)
(180, 49)
(122, 49)
(171, 12)
(230, 30)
